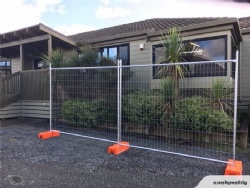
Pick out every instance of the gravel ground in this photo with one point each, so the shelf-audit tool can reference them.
(69, 161)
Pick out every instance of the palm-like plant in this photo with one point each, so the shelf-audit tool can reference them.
(85, 56)
(57, 59)
(167, 90)
(221, 95)
(167, 99)
(174, 51)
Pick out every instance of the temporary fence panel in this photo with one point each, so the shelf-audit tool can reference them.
(84, 101)
(187, 109)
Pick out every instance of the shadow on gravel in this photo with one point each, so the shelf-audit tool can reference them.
(69, 161)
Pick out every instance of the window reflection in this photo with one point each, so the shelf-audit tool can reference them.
(113, 53)
(5, 68)
(210, 49)
(105, 52)
(116, 52)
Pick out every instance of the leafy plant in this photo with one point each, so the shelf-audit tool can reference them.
(174, 50)
(86, 56)
(221, 95)
(109, 76)
(142, 108)
(195, 114)
(56, 58)
(83, 113)
(93, 80)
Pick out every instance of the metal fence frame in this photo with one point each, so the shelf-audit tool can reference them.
(119, 104)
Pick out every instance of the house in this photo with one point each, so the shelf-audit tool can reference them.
(138, 43)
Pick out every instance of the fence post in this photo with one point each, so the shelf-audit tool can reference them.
(235, 102)
(50, 101)
(119, 96)
(120, 146)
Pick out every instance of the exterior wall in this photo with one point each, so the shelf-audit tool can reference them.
(15, 65)
(140, 57)
(245, 71)
(137, 56)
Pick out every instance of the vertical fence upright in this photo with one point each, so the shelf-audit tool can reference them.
(119, 98)
(235, 103)
(51, 97)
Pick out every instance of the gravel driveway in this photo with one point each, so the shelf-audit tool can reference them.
(69, 161)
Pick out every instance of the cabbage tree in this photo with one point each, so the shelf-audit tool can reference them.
(174, 51)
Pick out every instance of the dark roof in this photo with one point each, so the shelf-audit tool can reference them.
(244, 23)
(155, 24)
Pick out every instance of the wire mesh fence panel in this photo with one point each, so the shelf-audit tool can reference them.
(84, 101)
(185, 109)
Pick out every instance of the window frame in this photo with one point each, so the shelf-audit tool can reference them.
(101, 50)
(6, 69)
(224, 36)
(234, 49)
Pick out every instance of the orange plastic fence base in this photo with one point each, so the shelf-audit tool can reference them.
(118, 148)
(233, 169)
(48, 134)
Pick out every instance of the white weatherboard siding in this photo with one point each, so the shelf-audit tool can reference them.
(15, 65)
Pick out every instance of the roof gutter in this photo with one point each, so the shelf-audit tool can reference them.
(245, 31)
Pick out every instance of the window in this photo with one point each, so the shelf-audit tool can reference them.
(5, 68)
(211, 49)
(116, 52)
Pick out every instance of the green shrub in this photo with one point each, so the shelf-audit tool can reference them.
(108, 77)
(195, 114)
(221, 95)
(83, 113)
(142, 108)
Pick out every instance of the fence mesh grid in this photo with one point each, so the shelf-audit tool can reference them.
(84, 101)
(189, 113)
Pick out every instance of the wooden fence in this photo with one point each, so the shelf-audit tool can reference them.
(34, 85)
(26, 85)
(9, 89)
